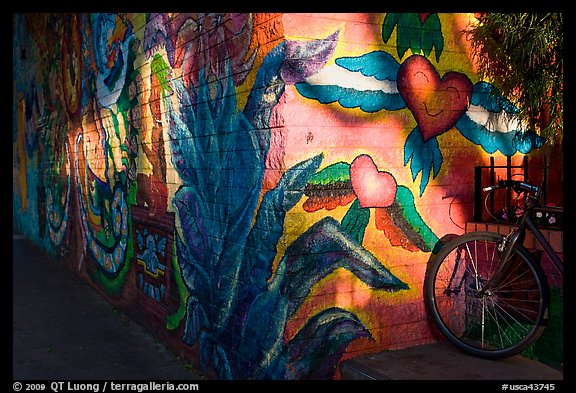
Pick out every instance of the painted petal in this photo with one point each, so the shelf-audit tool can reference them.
(304, 58)
(402, 224)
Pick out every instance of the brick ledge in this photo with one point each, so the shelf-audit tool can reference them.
(554, 236)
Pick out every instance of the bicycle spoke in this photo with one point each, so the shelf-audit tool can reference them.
(473, 263)
(509, 281)
(517, 324)
(528, 313)
(501, 332)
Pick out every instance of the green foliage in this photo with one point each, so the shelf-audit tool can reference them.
(161, 69)
(417, 32)
(549, 348)
(173, 320)
(522, 54)
(338, 172)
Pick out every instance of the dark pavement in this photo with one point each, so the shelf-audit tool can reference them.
(63, 330)
(443, 361)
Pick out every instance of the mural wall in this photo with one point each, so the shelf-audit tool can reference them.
(263, 191)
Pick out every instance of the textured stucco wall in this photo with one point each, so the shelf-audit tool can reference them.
(262, 191)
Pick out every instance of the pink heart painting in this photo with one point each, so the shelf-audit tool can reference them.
(372, 187)
(436, 103)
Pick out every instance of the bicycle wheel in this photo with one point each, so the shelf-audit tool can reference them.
(498, 322)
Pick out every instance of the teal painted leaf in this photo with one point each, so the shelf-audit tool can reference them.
(491, 123)
(262, 337)
(425, 156)
(191, 207)
(264, 95)
(196, 272)
(197, 320)
(186, 154)
(356, 220)
(206, 346)
(266, 315)
(367, 100)
(489, 97)
(221, 363)
(269, 223)
(378, 64)
(295, 179)
(213, 357)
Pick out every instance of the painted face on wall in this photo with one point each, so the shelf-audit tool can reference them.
(436, 102)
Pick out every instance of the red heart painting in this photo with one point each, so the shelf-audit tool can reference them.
(436, 103)
(372, 187)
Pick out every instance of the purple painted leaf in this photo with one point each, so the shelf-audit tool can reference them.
(324, 247)
(305, 58)
(318, 347)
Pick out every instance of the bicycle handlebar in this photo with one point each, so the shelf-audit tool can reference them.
(515, 185)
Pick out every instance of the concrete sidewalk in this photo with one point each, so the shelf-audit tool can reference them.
(64, 330)
(443, 361)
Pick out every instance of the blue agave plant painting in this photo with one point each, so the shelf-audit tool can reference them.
(238, 304)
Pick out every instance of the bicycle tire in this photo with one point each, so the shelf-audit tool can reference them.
(504, 321)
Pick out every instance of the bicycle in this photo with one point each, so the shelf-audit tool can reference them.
(486, 292)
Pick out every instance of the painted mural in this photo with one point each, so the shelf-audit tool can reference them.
(240, 187)
(376, 81)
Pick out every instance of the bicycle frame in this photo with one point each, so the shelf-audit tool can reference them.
(528, 223)
(518, 235)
